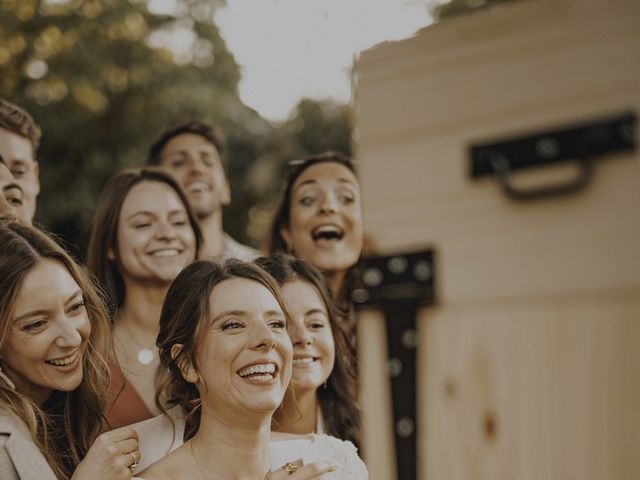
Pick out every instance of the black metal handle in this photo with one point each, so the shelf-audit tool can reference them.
(582, 143)
(501, 170)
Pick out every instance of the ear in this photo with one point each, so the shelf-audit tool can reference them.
(185, 366)
(36, 170)
(111, 255)
(286, 236)
(225, 197)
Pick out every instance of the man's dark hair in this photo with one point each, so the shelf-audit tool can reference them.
(206, 130)
(17, 120)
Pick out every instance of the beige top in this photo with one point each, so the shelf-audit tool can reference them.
(20, 457)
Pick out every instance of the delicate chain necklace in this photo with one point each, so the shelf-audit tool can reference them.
(145, 355)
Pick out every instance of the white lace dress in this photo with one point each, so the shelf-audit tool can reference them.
(315, 448)
(156, 439)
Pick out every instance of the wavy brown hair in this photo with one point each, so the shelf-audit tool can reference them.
(338, 399)
(65, 427)
(104, 232)
(183, 321)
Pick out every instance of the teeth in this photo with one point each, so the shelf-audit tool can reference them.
(64, 361)
(303, 361)
(169, 252)
(269, 368)
(197, 187)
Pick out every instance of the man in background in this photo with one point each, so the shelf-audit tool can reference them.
(11, 198)
(193, 153)
(19, 140)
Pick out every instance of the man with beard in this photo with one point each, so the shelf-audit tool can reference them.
(193, 153)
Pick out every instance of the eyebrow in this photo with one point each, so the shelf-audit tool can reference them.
(311, 181)
(315, 310)
(153, 214)
(243, 313)
(42, 311)
(12, 186)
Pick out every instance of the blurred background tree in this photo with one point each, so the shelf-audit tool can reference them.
(104, 77)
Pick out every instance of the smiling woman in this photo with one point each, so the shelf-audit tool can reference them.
(227, 364)
(53, 344)
(143, 235)
(319, 219)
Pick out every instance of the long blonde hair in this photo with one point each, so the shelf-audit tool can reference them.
(66, 426)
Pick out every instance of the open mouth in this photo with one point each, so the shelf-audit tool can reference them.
(304, 361)
(197, 187)
(259, 372)
(327, 233)
(64, 361)
(166, 252)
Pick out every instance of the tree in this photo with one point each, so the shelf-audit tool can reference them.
(98, 80)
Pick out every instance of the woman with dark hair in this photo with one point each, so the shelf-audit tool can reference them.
(143, 235)
(319, 219)
(54, 339)
(323, 380)
(226, 360)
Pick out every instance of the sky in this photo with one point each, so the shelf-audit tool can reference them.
(290, 49)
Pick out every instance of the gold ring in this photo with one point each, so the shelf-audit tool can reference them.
(291, 467)
(135, 460)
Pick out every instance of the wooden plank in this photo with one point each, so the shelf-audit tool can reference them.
(533, 391)
(375, 396)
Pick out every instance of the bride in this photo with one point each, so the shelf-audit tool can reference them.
(227, 360)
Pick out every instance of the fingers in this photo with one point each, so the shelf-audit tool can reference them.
(122, 433)
(305, 472)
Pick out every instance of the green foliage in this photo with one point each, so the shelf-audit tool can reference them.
(457, 7)
(97, 79)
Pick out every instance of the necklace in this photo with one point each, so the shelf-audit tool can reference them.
(145, 355)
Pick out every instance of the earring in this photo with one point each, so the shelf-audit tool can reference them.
(7, 380)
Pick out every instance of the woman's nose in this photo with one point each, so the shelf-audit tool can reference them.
(69, 333)
(263, 338)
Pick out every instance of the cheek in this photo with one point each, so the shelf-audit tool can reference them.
(85, 327)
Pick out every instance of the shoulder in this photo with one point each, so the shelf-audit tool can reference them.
(344, 454)
(169, 468)
(234, 249)
(19, 455)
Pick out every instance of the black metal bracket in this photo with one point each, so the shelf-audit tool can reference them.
(398, 285)
(581, 143)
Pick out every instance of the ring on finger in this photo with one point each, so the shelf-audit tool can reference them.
(291, 467)
(135, 460)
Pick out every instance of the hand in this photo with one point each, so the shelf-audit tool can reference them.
(110, 457)
(305, 472)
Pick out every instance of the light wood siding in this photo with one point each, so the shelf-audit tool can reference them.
(536, 336)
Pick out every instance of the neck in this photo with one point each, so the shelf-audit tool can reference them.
(335, 282)
(212, 235)
(232, 450)
(307, 422)
(142, 307)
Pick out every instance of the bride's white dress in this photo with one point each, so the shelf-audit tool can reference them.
(156, 439)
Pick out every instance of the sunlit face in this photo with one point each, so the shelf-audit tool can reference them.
(18, 154)
(310, 333)
(49, 332)
(12, 207)
(245, 356)
(155, 239)
(196, 165)
(325, 221)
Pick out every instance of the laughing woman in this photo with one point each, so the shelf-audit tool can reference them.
(54, 338)
(323, 380)
(143, 235)
(227, 362)
(319, 219)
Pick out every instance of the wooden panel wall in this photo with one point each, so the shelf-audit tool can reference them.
(528, 367)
